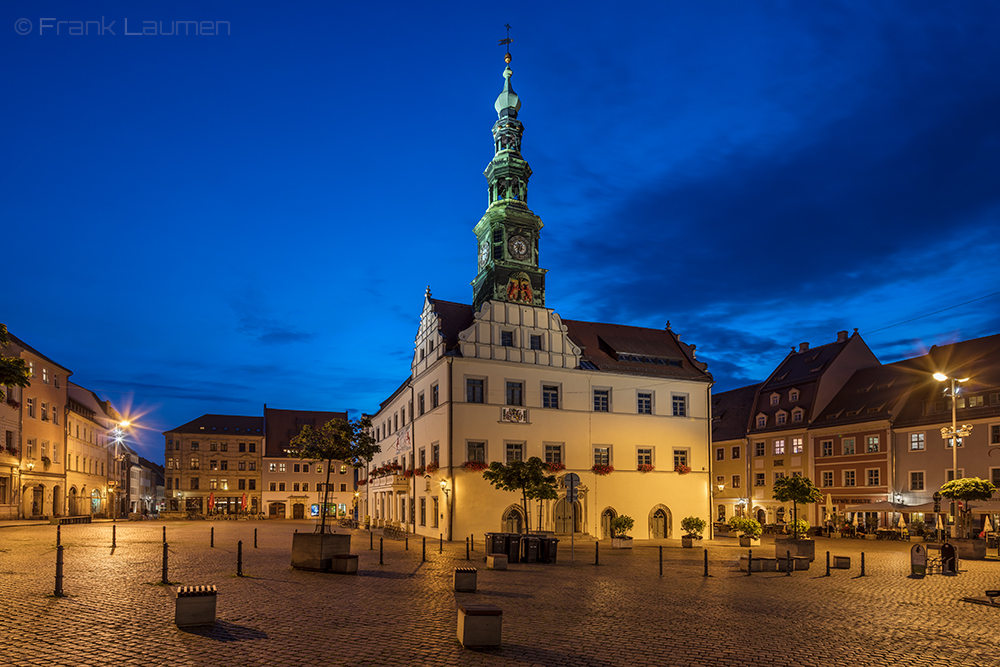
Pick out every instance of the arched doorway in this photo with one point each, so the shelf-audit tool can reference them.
(513, 520)
(761, 516)
(276, 510)
(95, 501)
(74, 510)
(57, 504)
(607, 516)
(298, 511)
(37, 500)
(660, 522)
(562, 516)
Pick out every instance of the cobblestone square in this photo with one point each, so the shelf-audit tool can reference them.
(404, 612)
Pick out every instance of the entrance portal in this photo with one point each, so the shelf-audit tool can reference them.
(298, 511)
(660, 522)
(607, 516)
(513, 521)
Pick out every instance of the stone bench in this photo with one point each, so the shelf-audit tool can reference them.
(344, 563)
(195, 606)
(496, 562)
(63, 520)
(479, 625)
(760, 564)
(465, 579)
(798, 563)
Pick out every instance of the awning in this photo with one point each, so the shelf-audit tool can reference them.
(882, 506)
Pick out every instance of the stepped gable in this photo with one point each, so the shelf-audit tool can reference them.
(731, 412)
(453, 318)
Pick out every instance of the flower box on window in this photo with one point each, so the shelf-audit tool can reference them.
(644, 467)
(14, 404)
(432, 467)
(682, 469)
(602, 470)
(475, 466)
(552, 466)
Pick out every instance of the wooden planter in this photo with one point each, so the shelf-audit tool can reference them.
(622, 543)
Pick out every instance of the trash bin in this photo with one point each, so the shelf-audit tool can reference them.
(547, 549)
(512, 547)
(529, 548)
(495, 543)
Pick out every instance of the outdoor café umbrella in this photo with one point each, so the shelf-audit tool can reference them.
(854, 522)
(987, 526)
(829, 507)
(940, 524)
(901, 524)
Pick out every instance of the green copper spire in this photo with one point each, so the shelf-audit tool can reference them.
(508, 233)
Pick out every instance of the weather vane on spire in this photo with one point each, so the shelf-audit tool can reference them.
(506, 42)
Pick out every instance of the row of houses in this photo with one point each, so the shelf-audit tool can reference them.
(63, 450)
(868, 434)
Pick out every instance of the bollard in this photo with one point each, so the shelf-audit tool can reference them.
(828, 563)
(423, 556)
(58, 535)
(706, 562)
(164, 534)
(239, 558)
(59, 572)
(661, 560)
(406, 543)
(380, 562)
(212, 538)
(114, 536)
(788, 563)
(254, 537)
(472, 541)
(597, 554)
(371, 540)
(749, 561)
(862, 563)
(440, 543)
(467, 549)
(163, 578)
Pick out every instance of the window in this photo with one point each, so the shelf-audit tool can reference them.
(759, 448)
(241, 484)
(507, 338)
(437, 512)
(645, 403)
(213, 484)
(194, 463)
(30, 402)
(223, 465)
(602, 400)
(194, 482)
(758, 479)
(761, 421)
(644, 456)
(779, 447)
(515, 393)
(602, 456)
(343, 468)
(515, 451)
(553, 453)
(781, 418)
(305, 486)
(779, 475)
(423, 511)
(797, 415)
(872, 444)
(736, 452)
(474, 390)
(420, 403)
(253, 485)
(434, 396)
(827, 478)
(252, 446)
(975, 401)
(796, 445)
(917, 442)
(793, 395)
(242, 446)
(213, 465)
(195, 446)
(241, 465)
(720, 454)
(995, 476)
(680, 457)
(995, 434)
(872, 476)
(224, 446)
(212, 447)
(550, 396)
(56, 379)
(679, 405)
(536, 342)
(281, 467)
(295, 486)
(848, 447)
(477, 452)
(296, 468)
(827, 447)
(916, 480)
(736, 481)
(435, 452)
(45, 375)
(55, 414)
(281, 486)
(774, 399)
(950, 473)
(848, 478)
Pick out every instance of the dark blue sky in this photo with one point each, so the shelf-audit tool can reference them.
(202, 223)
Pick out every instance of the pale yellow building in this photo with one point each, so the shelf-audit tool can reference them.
(89, 463)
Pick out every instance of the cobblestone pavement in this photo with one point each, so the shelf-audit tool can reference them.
(621, 612)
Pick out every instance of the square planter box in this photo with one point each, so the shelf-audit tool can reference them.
(195, 606)
(688, 542)
(798, 563)
(315, 551)
(496, 562)
(479, 625)
(841, 563)
(749, 541)
(344, 564)
(621, 542)
(806, 548)
(465, 579)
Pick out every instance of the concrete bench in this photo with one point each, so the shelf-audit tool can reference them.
(760, 564)
(479, 625)
(344, 563)
(465, 579)
(496, 562)
(195, 606)
(63, 520)
(798, 563)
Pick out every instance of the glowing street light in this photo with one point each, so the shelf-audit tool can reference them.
(955, 433)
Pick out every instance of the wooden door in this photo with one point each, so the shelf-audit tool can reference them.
(563, 517)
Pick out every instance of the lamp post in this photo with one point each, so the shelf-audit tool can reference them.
(955, 433)
(119, 437)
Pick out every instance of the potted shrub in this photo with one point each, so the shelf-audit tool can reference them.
(620, 526)
(798, 490)
(965, 490)
(750, 530)
(694, 527)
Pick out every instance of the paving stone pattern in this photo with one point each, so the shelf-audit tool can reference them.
(404, 612)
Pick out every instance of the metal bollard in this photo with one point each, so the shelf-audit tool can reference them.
(239, 558)
(749, 562)
(423, 555)
(380, 551)
(406, 543)
(597, 553)
(828, 563)
(163, 578)
(254, 538)
(58, 535)
(706, 562)
(661, 560)
(212, 538)
(862, 563)
(164, 534)
(59, 572)
(467, 549)
(472, 541)
(371, 540)
(114, 536)
(440, 543)
(788, 563)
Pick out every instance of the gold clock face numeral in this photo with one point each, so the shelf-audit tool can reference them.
(518, 247)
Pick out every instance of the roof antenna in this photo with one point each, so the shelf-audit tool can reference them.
(506, 42)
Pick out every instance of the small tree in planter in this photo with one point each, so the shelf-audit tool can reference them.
(965, 490)
(798, 490)
(620, 526)
(528, 477)
(749, 528)
(694, 527)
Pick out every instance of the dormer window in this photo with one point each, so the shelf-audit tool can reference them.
(793, 395)
(775, 398)
(797, 414)
(761, 421)
(781, 418)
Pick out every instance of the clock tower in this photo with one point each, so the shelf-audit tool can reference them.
(507, 234)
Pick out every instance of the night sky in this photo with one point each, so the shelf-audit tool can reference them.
(204, 224)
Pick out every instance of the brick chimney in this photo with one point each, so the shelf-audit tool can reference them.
(803, 347)
(841, 336)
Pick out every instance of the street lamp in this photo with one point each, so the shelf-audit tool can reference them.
(956, 432)
(119, 437)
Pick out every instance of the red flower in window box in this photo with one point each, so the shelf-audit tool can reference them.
(602, 470)
(408, 473)
(682, 469)
(432, 467)
(475, 466)
(362, 482)
(552, 466)
(645, 467)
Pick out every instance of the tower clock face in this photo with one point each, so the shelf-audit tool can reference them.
(518, 246)
(484, 253)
